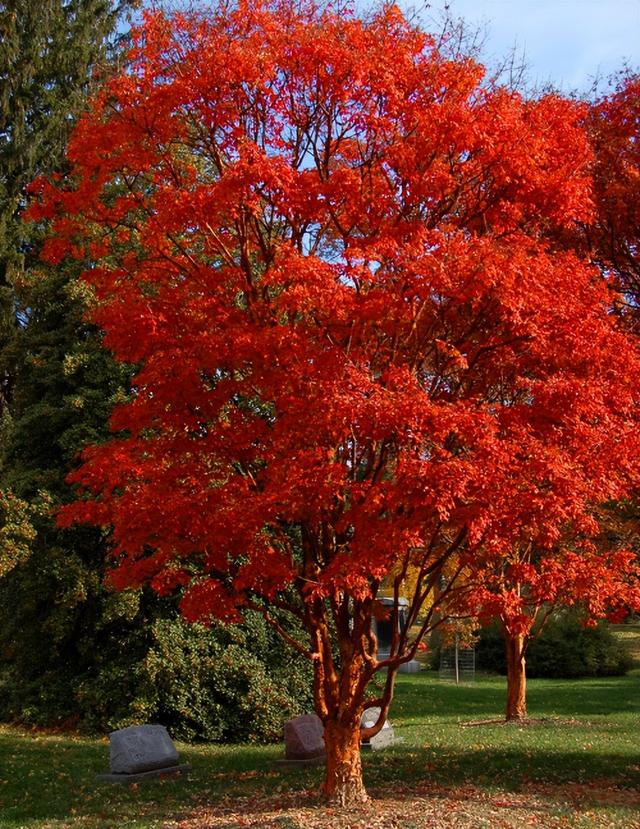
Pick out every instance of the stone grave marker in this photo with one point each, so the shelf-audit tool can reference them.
(140, 752)
(385, 737)
(303, 739)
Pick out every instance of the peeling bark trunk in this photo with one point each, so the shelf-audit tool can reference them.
(516, 677)
(343, 784)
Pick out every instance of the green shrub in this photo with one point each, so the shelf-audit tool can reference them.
(233, 684)
(568, 649)
(135, 661)
(565, 649)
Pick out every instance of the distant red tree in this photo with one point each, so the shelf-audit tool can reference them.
(526, 586)
(323, 243)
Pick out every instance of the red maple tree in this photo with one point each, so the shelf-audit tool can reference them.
(525, 587)
(324, 245)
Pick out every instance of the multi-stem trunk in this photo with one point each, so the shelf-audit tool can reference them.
(343, 782)
(516, 676)
(339, 692)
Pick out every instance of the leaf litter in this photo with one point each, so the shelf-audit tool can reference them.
(425, 807)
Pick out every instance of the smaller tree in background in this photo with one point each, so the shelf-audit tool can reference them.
(595, 569)
(524, 590)
(612, 239)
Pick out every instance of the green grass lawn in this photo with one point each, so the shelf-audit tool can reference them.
(584, 738)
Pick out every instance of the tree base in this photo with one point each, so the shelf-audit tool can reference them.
(347, 797)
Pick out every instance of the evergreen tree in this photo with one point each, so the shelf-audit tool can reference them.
(49, 52)
(56, 381)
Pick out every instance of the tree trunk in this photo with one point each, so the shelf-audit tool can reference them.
(516, 677)
(343, 783)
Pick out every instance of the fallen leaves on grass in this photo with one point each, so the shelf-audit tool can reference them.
(528, 722)
(427, 807)
(593, 793)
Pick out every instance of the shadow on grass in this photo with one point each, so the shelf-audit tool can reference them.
(509, 768)
(50, 780)
(588, 733)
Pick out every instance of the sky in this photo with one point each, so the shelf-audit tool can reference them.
(566, 42)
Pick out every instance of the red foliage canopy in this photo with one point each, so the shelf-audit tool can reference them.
(324, 244)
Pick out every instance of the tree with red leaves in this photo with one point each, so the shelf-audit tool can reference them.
(324, 244)
(523, 589)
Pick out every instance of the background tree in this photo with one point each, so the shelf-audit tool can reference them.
(526, 589)
(529, 586)
(48, 53)
(56, 381)
(358, 351)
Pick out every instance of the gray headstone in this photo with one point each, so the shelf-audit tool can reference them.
(141, 748)
(303, 738)
(385, 737)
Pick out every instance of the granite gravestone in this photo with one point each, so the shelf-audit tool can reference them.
(385, 737)
(139, 752)
(304, 739)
